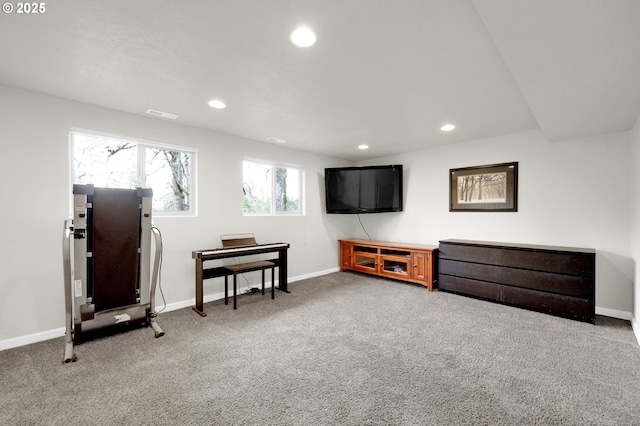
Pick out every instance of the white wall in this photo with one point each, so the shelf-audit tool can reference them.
(575, 193)
(36, 190)
(635, 228)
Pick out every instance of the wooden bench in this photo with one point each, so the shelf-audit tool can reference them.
(245, 240)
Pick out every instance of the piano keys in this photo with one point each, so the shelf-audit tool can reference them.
(221, 253)
(201, 256)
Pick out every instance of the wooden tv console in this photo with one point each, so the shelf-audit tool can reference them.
(415, 263)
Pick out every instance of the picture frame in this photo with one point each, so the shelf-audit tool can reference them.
(488, 188)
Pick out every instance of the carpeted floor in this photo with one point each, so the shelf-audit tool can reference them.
(340, 349)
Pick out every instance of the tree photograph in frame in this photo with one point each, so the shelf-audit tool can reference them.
(490, 188)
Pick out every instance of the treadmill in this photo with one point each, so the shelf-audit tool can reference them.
(108, 281)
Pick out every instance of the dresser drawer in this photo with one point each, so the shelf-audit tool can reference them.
(477, 271)
(569, 285)
(486, 255)
(549, 303)
(557, 262)
(469, 287)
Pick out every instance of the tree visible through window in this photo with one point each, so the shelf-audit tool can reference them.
(272, 189)
(118, 163)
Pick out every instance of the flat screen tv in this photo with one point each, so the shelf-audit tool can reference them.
(369, 189)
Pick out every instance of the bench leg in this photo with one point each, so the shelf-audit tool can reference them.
(226, 290)
(273, 284)
(235, 290)
(262, 281)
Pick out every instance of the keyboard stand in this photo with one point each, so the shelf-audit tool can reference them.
(202, 273)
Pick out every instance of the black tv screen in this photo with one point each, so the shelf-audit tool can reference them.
(369, 189)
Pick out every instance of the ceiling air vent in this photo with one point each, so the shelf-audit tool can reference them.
(157, 113)
(276, 140)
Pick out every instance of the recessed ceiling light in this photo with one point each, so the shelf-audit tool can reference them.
(447, 127)
(217, 104)
(363, 146)
(303, 37)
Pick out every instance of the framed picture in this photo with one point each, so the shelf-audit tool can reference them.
(491, 188)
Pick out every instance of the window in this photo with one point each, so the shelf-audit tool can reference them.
(272, 189)
(113, 162)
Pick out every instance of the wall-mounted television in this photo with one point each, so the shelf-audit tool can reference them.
(368, 189)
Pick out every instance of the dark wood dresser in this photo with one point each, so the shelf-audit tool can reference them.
(554, 280)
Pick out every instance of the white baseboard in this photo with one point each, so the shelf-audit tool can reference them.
(314, 274)
(623, 315)
(31, 338)
(636, 329)
(59, 332)
(217, 296)
(614, 313)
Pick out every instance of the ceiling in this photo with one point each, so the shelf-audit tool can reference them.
(387, 73)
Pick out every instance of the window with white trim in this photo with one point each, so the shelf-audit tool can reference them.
(272, 188)
(117, 162)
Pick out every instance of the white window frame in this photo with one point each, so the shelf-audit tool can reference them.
(141, 145)
(301, 184)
